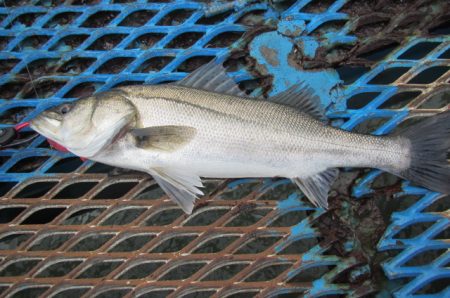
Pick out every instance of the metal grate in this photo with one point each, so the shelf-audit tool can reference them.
(73, 228)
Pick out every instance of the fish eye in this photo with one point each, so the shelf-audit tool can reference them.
(64, 109)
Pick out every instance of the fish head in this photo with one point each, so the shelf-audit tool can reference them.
(86, 126)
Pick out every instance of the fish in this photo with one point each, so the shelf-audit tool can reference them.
(204, 126)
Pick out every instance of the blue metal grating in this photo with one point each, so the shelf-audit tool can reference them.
(369, 81)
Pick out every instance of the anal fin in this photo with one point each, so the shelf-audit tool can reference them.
(316, 187)
(181, 187)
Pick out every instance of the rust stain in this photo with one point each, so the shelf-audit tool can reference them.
(270, 55)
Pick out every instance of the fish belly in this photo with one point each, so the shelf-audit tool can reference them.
(260, 152)
(236, 151)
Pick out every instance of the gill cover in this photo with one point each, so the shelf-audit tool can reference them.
(88, 125)
(111, 111)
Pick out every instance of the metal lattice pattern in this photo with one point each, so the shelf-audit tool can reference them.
(412, 82)
(143, 236)
(66, 232)
(391, 80)
(75, 228)
(407, 79)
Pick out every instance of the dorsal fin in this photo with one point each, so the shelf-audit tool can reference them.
(211, 77)
(301, 97)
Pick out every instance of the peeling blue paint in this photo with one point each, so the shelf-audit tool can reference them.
(332, 39)
(238, 182)
(292, 201)
(303, 228)
(269, 184)
(355, 273)
(309, 47)
(291, 28)
(349, 246)
(321, 81)
(321, 287)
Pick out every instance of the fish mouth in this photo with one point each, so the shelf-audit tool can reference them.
(46, 126)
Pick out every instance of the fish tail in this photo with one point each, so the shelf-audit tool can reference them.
(429, 142)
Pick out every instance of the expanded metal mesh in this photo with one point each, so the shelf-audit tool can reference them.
(73, 228)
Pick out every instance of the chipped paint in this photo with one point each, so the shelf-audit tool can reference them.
(308, 46)
(321, 81)
(291, 28)
(270, 55)
(293, 201)
(303, 228)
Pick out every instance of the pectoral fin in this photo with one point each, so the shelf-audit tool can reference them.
(166, 138)
(316, 187)
(182, 188)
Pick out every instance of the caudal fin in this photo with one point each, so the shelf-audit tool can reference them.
(430, 142)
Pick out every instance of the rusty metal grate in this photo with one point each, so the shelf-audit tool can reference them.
(70, 228)
(141, 243)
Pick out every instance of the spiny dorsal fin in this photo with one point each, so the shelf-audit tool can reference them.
(301, 97)
(181, 187)
(316, 187)
(166, 138)
(211, 77)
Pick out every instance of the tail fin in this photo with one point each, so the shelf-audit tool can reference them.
(430, 142)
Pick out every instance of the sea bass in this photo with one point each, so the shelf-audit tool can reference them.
(204, 126)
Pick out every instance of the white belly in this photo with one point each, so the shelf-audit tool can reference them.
(214, 161)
